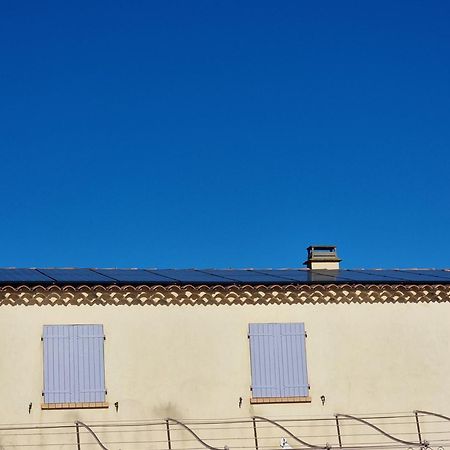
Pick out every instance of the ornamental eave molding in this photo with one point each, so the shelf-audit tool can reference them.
(159, 295)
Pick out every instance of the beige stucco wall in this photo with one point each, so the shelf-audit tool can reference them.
(193, 361)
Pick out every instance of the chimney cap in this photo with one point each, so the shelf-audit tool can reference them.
(322, 257)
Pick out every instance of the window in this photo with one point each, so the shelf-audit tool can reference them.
(278, 363)
(74, 373)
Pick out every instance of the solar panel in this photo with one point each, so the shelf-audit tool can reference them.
(360, 276)
(134, 276)
(387, 276)
(84, 276)
(191, 276)
(427, 275)
(15, 276)
(245, 276)
(411, 276)
(283, 276)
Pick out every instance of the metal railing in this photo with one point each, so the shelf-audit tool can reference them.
(420, 430)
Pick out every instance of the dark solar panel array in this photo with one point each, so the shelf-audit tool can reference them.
(14, 276)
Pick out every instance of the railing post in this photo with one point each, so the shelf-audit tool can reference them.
(169, 443)
(255, 434)
(338, 431)
(78, 437)
(418, 426)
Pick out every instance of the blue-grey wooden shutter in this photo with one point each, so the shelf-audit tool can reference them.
(73, 363)
(294, 376)
(278, 360)
(91, 363)
(265, 376)
(56, 366)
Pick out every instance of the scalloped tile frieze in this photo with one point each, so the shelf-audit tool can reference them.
(221, 295)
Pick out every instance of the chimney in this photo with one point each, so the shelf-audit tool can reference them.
(322, 257)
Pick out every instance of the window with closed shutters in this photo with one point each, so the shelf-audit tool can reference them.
(74, 373)
(278, 362)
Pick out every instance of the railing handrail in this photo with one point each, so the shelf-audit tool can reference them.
(384, 433)
(195, 435)
(93, 434)
(432, 414)
(273, 422)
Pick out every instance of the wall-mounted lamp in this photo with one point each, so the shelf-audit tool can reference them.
(29, 407)
(322, 399)
(116, 405)
(240, 402)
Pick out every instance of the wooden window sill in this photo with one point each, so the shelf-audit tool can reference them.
(84, 405)
(262, 400)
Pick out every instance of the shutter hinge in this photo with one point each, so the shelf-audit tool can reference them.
(306, 334)
(104, 338)
(309, 387)
(42, 338)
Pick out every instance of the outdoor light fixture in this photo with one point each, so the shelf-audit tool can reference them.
(322, 398)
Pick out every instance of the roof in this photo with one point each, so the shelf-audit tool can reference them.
(80, 276)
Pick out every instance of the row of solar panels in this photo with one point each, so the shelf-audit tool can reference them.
(218, 277)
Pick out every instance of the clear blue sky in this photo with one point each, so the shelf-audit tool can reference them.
(224, 133)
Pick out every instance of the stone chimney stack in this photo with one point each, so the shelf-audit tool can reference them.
(322, 257)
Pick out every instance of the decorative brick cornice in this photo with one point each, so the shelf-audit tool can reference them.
(222, 295)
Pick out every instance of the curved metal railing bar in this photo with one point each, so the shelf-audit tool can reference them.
(326, 446)
(432, 414)
(93, 434)
(195, 435)
(423, 444)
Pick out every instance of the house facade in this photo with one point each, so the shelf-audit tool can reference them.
(125, 346)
